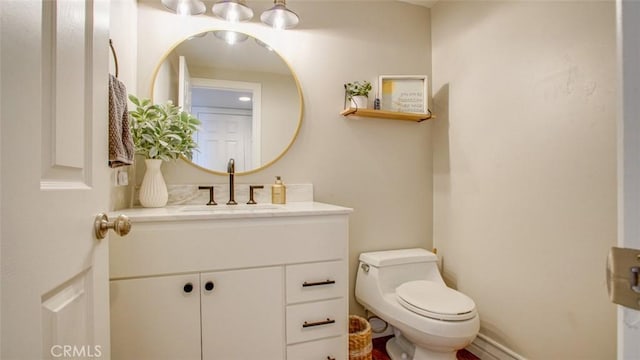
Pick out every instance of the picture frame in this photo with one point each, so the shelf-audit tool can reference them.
(403, 93)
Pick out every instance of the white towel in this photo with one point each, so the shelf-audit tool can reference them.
(121, 149)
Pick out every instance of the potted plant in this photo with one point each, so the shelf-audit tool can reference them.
(358, 93)
(160, 133)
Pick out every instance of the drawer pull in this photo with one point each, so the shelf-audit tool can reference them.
(318, 323)
(319, 283)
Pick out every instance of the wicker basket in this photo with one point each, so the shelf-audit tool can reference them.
(359, 338)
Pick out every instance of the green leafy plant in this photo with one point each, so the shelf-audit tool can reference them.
(162, 131)
(357, 88)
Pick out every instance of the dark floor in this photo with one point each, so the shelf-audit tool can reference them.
(379, 352)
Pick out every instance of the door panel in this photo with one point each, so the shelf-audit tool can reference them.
(223, 136)
(184, 85)
(68, 307)
(54, 177)
(156, 318)
(247, 303)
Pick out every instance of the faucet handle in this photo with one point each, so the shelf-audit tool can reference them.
(210, 188)
(251, 188)
(231, 166)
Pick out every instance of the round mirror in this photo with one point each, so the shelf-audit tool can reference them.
(246, 96)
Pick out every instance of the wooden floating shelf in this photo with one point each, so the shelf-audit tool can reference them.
(383, 114)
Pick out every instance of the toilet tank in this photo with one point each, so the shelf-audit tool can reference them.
(392, 268)
(397, 257)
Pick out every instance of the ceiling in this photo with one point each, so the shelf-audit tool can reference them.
(425, 3)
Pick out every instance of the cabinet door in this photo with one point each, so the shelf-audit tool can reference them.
(243, 315)
(156, 318)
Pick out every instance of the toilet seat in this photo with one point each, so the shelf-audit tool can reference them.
(435, 301)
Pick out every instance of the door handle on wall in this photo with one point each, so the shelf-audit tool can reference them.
(623, 277)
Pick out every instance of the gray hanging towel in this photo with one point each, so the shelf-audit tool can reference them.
(121, 149)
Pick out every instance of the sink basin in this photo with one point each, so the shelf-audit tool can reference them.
(230, 208)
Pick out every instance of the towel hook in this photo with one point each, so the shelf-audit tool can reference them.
(115, 57)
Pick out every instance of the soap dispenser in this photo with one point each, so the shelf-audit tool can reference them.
(278, 192)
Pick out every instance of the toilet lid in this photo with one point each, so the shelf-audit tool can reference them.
(436, 301)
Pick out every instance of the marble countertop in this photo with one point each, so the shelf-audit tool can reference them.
(221, 211)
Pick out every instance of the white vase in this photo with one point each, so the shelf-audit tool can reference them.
(153, 191)
(359, 102)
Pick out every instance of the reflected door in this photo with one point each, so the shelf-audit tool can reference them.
(223, 135)
(184, 85)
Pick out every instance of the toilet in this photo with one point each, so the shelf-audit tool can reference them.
(405, 289)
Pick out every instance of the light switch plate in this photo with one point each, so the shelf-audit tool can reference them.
(623, 277)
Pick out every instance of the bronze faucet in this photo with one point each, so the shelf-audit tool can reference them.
(231, 169)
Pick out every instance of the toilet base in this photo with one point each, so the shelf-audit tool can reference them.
(399, 348)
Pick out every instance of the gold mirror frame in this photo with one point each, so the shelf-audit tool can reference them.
(300, 99)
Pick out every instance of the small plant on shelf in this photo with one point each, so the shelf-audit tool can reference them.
(357, 93)
(357, 88)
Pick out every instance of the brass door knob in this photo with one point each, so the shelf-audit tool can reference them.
(121, 226)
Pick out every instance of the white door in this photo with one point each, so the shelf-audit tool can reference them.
(55, 179)
(629, 160)
(222, 136)
(184, 85)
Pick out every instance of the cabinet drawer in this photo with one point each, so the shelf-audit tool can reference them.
(221, 244)
(333, 348)
(316, 281)
(316, 320)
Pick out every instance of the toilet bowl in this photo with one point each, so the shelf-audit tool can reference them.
(404, 288)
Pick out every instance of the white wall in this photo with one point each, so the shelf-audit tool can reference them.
(525, 169)
(381, 168)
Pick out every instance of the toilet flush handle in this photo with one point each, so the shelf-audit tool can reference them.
(365, 267)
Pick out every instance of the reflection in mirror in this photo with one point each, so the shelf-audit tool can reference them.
(242, 91)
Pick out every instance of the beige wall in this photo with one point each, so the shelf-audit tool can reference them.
(381, 168)
(525, 169)
(123, 33)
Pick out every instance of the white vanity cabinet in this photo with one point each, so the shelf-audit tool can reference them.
(197, 285)
(189, 316)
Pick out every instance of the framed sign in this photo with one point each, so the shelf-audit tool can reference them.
(403, 93)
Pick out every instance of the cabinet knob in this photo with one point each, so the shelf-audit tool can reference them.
(188, 287)
(209, 285)
(330, 358)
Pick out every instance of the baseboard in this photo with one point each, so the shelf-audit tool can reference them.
(488, 349)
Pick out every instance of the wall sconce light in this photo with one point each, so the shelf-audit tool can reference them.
(279, 17)
(185, 7)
